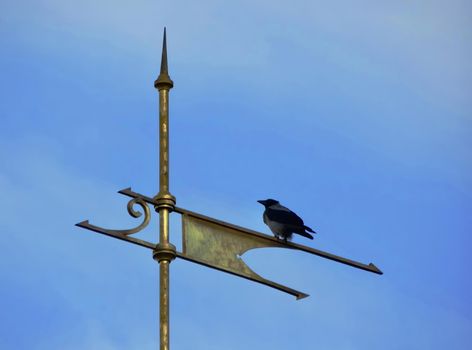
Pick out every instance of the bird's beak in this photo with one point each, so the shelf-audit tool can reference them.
(261, 201)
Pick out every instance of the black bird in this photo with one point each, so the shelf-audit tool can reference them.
(282, 221)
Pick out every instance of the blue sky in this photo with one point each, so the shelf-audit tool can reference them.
(355, 115)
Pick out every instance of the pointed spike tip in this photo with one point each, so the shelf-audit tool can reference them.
(164, 81)
(164, 68)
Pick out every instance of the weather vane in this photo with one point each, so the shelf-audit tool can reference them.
(206, 241)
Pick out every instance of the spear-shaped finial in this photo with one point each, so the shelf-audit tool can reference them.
(164, 81)
(164, 54)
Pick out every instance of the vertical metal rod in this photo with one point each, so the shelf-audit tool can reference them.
(164, 304)
(164, 252)
(164, 140)
(164, 281)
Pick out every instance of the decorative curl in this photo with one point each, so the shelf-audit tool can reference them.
(137, 214)
(134, 213)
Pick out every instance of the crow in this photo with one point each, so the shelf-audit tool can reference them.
(282, 221)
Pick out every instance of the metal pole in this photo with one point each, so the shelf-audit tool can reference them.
(164, 252)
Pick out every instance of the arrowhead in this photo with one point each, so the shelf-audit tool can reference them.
(125, 190)
(83, 223)
(375, 269)
(302, 296)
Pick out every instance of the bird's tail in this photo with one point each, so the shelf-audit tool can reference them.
(309, 229)
(304, 234)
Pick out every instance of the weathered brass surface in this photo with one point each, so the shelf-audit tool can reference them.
(221, 247)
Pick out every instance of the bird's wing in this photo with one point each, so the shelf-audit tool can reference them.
(284, 216)
(264, 217)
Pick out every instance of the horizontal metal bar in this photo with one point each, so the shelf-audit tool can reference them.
(299, 295)
(85, 224)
